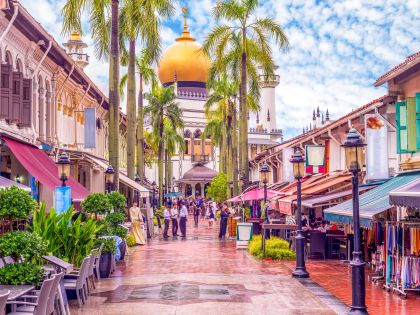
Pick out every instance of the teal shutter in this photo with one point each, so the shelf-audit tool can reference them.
(418, 121)
(401, 121)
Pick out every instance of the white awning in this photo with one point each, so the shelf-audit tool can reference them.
(144, 192)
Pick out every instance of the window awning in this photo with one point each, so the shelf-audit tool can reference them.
(371, 203)
(144, 192)
(44, 169)
(5, 183)
(406, 196)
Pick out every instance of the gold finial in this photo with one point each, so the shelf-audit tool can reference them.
(185, 12)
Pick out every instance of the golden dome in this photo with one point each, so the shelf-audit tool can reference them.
(75, 36)
(185, 59)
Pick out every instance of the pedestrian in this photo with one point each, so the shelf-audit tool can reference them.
(167, 218)
(224, 215)
(203, 211)
(196, 214)
(192, 207)
(210, 215)
(183, 217)
(174, 217)
(137, 222)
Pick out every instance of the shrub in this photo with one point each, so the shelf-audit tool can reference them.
(276, 248)
(97, 203)
(104, 228)
(117, 200)
(16, 274)
(28, 246)
(16, 203)
(110, 246)
(218, 188)
(115, 218)
(69, 240)
(119, 231)
(130, 240)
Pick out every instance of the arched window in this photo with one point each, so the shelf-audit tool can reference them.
(6, 87)
(187, 141)
(197, 147)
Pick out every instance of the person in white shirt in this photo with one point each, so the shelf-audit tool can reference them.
(167, 217)
(174, 217)
(183, 217)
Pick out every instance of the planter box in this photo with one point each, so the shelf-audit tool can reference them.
(243, 235)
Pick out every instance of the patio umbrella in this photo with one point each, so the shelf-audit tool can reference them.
(254, 194)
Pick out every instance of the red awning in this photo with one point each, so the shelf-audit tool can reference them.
(44, 169)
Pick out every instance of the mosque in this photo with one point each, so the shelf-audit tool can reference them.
(186, 67)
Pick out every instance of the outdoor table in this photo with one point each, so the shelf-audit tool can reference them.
(273, 226)
(330, 238)
(16, 291)
(67, 268)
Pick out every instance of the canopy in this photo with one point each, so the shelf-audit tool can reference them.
(198, 173)
(44, 169)
(406, 196)
(144, 192)
(254, 194)
(173, 195)
(5, 183)
(371, 203)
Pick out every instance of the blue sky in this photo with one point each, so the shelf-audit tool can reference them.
(338, 49)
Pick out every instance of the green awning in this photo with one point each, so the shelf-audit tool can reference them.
(370, 203)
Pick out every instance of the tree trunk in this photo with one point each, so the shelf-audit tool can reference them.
(160, 160)
(235, 149)
(243, 130)
(131, 117)
(229, 160)
(114, 97)
(166, 168)
(140, 133)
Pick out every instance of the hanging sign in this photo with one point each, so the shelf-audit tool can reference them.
(90, 127)
(376, 148)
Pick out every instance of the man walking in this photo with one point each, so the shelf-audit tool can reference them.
(167, 218)
(183, 216)
(196, 213)
(174, 217)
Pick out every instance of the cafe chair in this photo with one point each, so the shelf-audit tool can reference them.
(78, 284)
(41, 301)
(3, 300)
(317, 244)
(96, 262)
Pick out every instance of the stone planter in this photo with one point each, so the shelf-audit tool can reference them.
(123, 248)
(105, 265)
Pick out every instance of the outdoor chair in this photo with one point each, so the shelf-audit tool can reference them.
(317, 244)
(52, 296)
(79, 283)
(96, 262)
(41, 300)
(3, 300)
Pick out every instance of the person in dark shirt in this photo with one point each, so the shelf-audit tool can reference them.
(224, 215)
(196, 213)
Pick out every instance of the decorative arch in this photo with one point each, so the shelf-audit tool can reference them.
(197, 148)
(187, 133)
(8, 59)
(197, 134)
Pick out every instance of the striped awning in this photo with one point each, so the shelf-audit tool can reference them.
(371, 203)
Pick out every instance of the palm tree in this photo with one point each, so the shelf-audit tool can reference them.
(247, 35)
(139, 18)
(102, 31)
(162, 106)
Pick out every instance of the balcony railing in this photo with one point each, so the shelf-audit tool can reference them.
(200, 158)
(80, 57)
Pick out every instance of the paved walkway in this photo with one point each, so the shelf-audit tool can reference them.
(202, 275)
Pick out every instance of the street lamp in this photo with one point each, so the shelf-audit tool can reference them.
(154, 195)
(109, 178)
(63, 168)
(265, 170)
(353, 147)
(298, 172)
(137, 193)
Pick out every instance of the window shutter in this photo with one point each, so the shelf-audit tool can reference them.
(26, 109)
(418, 121)
(17, 88)
(401, 121)
(411, 124)
(6, 84)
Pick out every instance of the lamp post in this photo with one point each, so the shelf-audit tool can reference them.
(173, 183)
(63, 168)
(298, 172)
(137, 180)
(154, 195)
(353, 146)
(109, 178)
(264, 171)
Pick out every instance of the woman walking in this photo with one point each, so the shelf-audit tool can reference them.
(211, 215)
(136, 224)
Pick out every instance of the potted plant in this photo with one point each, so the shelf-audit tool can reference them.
(114, 220)
(18, 274)
(16, 204)
(117, 201)
(22, 246)
(97, 203)
(105, 260)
